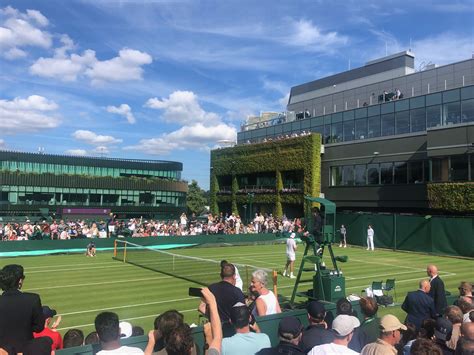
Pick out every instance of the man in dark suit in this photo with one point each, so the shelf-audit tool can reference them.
(437, 292)
(418, 305)
(21, 312)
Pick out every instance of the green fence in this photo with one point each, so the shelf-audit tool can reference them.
(430, 234)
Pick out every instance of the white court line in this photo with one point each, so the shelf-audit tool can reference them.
(73, 268)
(128, 306)
(62, 265)
(125, 319)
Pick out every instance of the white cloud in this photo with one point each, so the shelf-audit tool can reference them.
(76, 152)
(311, 38)
(101, 150)
(182, 107)
(68, 67)
(27, 115)
(127, 66)
(197, 136)
(92, 138)
(123, 110)
(443, 48)
(284, 100)
(19, 30)
(3, 145)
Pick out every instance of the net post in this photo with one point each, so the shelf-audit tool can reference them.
(275, 282)
(115, 248)
(124, 252)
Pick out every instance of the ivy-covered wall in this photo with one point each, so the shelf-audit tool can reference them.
(453, 197)
(292, 154)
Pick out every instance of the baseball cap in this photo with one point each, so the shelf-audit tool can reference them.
(344, 324)
(443, 329)
(125, 329)
(291, 325)
(315, 309)
(292, 235)
(389, 323)
(48, 312)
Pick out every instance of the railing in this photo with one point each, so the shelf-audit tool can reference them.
(292, 188)
(257, 189)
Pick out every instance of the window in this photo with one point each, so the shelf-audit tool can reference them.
(402, 122)
(439, 169)
(386, 173)
(336, 175)
(336, 132)
(360, 175)
(361, 129)
(452, 113)
(467, 108)
(373, 124)
(418, 120)
(327, 133)
(400, 172)
(348, 175)
(388, 124)
(433, 116)
(415, 172)
(459, 168)
(348, 130)
(373, 174)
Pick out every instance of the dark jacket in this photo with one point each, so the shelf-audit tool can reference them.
(438, 294)
(21, 315)
(314, 335)
(282, 348)
(419, 306)
(368, 332)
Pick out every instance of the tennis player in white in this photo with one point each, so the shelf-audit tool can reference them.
(370, 238)
(290, 255)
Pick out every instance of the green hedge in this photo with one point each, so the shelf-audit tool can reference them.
(453, 197)
(299, 153)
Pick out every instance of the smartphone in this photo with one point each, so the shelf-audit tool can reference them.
(195, 292)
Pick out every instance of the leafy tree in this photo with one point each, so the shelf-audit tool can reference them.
(195, 200)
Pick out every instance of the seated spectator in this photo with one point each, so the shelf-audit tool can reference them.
(92, 338)
(290, 331)
(55, 336)
(316, 333)
(180, 341)
(390, 336)
(465, 290)
(164, 324)
(465, 347)
(467, 331)
(21, 312)
(408, 338)
(425, 347)
(455, 316)
(125, 330)
(343, 327)
(369, 330)
(39, 346)
(137, 331)
(73, 337)
(466, 307)
(108, 330)
(419, 305)
(266, 302)
(442, 334)
(244, 341)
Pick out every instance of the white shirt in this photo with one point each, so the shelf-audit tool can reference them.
(370, 233)
(331, 349)
(270, 301)
(123, 350)
(290, 246)
(238, 280)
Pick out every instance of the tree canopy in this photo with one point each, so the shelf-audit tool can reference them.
(196, 199)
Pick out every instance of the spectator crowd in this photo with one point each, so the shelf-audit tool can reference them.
(431, 327)
(139, 227)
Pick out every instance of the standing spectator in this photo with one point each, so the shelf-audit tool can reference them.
(390, 336)
(316, 333)
(343, 240)
(244, 341)
(437, 291)
(289, 333)
(290, 255)
(369, 330)
(48, 314)
(418, 305)
(238, 280)
(343, 327)
(370, 238)
(108, 330)
(111, 225)
(266, 302)
(21, 312)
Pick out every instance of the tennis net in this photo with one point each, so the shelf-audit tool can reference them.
(193, 269)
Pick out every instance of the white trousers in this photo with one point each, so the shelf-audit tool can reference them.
(370, 243)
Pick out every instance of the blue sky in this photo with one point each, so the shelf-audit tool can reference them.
(170, 79)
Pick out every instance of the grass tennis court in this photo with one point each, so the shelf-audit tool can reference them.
(79, 287)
